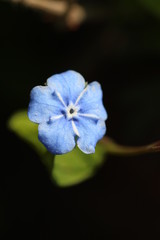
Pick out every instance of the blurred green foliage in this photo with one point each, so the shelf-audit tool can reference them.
(65, 170)
(75, 166)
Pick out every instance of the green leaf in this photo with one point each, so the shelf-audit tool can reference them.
(20, 124)
(27, 130)
(75, 167)
(65, 170)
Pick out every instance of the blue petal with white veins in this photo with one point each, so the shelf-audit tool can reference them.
(69, 84)
(44, 104)
(57, 136)
(91, 101)
(90, 132)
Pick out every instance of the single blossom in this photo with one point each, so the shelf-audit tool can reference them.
(68, 111)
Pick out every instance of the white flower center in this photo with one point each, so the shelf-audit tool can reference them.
(71, 110)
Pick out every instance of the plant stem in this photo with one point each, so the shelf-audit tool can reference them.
(114, 148)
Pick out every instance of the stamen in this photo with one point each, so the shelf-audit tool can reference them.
(75, 129)
(80, 96)
(56, 117)
(88, 115)
(60, 98)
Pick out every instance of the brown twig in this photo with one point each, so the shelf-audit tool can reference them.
(74, 13)
(55, 7)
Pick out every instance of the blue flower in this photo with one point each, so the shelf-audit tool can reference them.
(68, 111)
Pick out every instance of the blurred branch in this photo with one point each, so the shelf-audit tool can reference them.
(74, 13)
(54, 7)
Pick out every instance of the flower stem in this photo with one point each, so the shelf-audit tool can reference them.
(114, 148)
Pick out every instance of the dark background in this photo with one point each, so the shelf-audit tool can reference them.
(119, 46)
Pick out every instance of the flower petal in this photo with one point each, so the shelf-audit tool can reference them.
(91, 101)
(57, 136)
(43, 104)
(69, 84)
(90, 132)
